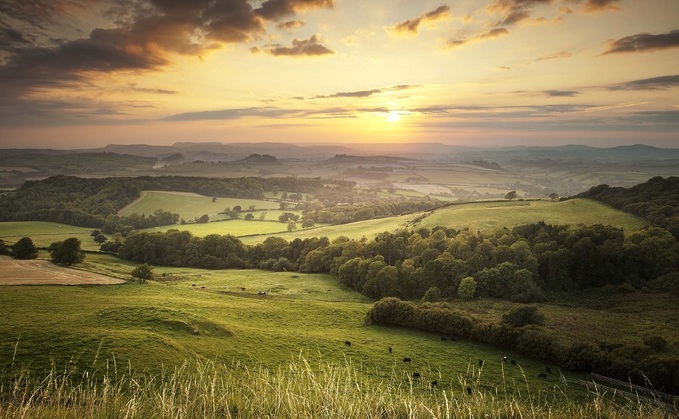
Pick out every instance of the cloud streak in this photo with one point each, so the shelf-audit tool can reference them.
(364, 93)
(643, 42)
(311, 47)
(653, 83)
(412, 26)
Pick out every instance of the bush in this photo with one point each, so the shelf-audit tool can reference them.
(24, 249)
(66, 252)
(522, 316)
(143, 272)
(432, 295)
(467, 288)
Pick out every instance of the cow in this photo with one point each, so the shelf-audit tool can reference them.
(513, 361)
(242, 288)
(542, 375)
(504, 359)
(444, 339)
(416, 375)
(480, 362)
(390, 349)
(346, 342)
(406, 360)
(203, 287)
(469, 390)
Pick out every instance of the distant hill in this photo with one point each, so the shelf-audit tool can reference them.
(656, 200)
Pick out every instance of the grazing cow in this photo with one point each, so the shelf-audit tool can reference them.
(261, 293)
(193, 285)
(242, 289)
(406, 359)
(480, 362)
(549, 370)
(469, 390)
(513, 361)
(203, 287)
(542, 375)
(346, 342)
(416, 375)
(390, 349)
(434, 384)
(444, 339)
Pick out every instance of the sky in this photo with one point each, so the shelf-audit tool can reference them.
(86, 73)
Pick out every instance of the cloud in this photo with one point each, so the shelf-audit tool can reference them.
(290, 25)
(591, 6)
(654, 83)
(491, 34)
(494, 33)
(561, 93)
(299, 48)
(514, 11)
(277, 9)
(412, 26)
(143, 35)
(560, 54)
(643, 42)
(365, 93)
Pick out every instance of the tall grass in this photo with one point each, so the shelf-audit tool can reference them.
(296, 389)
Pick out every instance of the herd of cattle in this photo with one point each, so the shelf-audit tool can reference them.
(434, 383)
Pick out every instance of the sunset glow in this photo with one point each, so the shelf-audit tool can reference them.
(87, 73)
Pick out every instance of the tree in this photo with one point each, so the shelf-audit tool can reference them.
(510, 195)
(100, 238)
(553, 196)
(4, 250)
(522, 316)
(142, 272)
(249, 217)
(24, 249)
(292, 226)
(66, 252)
(203, 218)
(467, 288)
(308, 223)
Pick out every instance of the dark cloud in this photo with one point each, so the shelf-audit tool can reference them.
(232, 114)
(277, 9)
(299, 48)
(654, 83)
(644, 42)
(411, 26)
(560, 54)
(365, 93)
(147, 35)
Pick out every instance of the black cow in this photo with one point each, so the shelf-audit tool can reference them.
(504, 359)
(542, 375)
(406, 359)
(480, 362)
(346, 342)
(469, 390)
(390, 349)
(416, 375)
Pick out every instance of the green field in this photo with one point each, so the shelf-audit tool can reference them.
(236, 228)
(162, 324)
(189, 206)
(488, 216)
(43, 233)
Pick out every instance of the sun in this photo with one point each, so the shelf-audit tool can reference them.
(393, 116)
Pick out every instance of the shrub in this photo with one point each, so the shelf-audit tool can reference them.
(467, 288)
(522, 316)
(24, 249)
(143, 272)
(655, 342)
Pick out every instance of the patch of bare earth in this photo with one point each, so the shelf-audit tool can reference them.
(43, 272)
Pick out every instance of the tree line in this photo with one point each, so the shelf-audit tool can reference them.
(520, 264)
(656, 200)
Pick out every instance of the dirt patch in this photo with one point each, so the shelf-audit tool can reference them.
(43, 272)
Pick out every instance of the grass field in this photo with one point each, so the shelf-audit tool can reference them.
(236, 228)
(189, 206)
(162, 324)
(44, 233)
(488, 216)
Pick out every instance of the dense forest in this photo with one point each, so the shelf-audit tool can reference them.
(656, 200)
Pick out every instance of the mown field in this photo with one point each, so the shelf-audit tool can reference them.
(45, 233)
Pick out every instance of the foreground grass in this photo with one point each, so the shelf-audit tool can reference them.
(296, 389)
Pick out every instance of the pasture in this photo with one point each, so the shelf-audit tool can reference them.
(489, 216)
(237, 228)
(222, 318)
(44, 233)
(190, 205)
